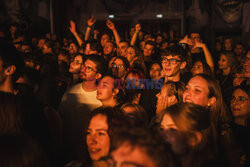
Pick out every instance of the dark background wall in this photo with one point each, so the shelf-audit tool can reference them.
(214, 18)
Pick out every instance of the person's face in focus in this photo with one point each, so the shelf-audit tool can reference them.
(105, 89)
(98, 140)
(88, 71)
(130, 54)
(104, 39)
(72, 48)
(118, 68)
(228, 44)
(122, 48)
(172, 65)
(195, 37)
(223, 62)
(75, 65)
(197, 68)
(197, 92)
(129, 156)
(108, 48)
(148, 50)
(240, 104)
(155, 71)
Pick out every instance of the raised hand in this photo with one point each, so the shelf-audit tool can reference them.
(186, 40)
(110, 25)
(91, 21)
(198, 45)
(72, 26)
(137, 27)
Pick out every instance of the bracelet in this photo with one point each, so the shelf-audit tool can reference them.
(89, 26)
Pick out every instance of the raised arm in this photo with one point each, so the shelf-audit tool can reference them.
(72, 29)
(208, 56)
(90, 22)
(111, 26)
(137, 30)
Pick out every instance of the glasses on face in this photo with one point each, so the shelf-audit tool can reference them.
(172, 61)
(117, 66)
(87, 68)
(240, 99)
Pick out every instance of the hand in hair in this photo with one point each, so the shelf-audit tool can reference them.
(186, 40)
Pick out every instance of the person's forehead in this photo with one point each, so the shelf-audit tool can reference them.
(149, 46)
(240, 92)
(128, 154)
(195, 35)
(90, 63)
(123, 44)
(171, 56)
(109, 80)
(119, 61)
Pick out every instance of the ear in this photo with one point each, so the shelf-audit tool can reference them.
(98, 76)
(211, 101)
(115, 91)
(183, 65)
(10, 70)
(172, 100)
(195, 139)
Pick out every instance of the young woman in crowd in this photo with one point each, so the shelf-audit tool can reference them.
(205, 91)
(109, 92)
(201, 67)
(102, 124)
(120, 67)
(188, 129)
(155, 71)
(136, 115)
(240, 105)
(134, 57)
(75, 68)
(227, 64)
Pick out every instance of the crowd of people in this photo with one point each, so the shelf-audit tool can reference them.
(99, 99)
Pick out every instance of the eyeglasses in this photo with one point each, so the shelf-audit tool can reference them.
(172, 61)
(117, 66)
(240, 99)
(87, 68)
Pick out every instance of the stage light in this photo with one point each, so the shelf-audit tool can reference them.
(159, 16)
(111, 16)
